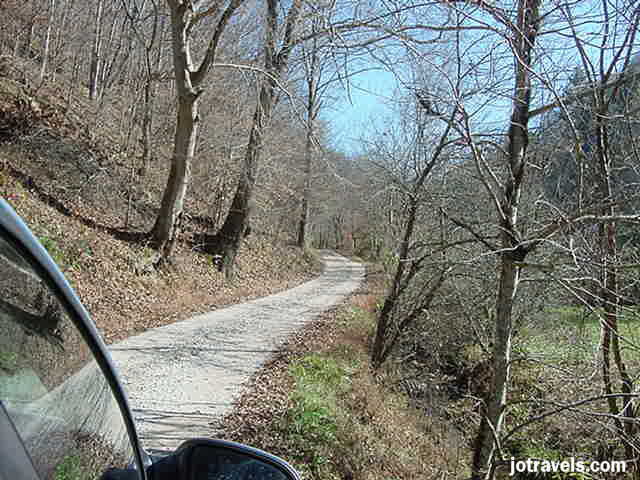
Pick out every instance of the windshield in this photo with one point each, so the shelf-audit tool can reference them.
(50, 385)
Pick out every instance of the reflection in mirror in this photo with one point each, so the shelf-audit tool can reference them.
(50, 384)
(220, 463)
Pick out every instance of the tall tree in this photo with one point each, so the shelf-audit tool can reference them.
(503, 171)
(96, 60)
(319, 76)
(504, 180)
(277, 52)
(311, 59)
(190, 84)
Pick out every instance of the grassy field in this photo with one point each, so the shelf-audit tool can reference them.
(557, 363)
(571, 334)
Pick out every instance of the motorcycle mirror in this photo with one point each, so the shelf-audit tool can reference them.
(207, 459)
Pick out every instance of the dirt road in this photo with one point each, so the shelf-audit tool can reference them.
(181, 377)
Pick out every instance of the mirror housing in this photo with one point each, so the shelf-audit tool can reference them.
(207, 459)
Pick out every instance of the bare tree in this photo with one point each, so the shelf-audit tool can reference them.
(311, 59)
(276, 59)
(503, 167)
(190, 84)
(47, 40)
(523, 34)
(601, 177)
(96, 61)
(320, 73)
(419, 163)
(504, 180)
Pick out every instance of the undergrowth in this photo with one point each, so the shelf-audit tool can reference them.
(345, 422)
(71, 468)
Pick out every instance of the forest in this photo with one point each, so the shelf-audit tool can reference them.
(499, 196)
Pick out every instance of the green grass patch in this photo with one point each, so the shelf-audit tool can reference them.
(312, 422)
(8, 361)
(360, 319)
(71, 468)
(558, 360)
(571, 334)
(68, 257)
(345, 422)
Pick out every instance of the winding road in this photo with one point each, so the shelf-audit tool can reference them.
(182, 377)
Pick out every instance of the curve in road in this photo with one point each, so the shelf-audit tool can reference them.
(182, 377)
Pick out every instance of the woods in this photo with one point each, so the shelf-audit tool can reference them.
(499, 195)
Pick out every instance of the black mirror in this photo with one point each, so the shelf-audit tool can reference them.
(204, 459)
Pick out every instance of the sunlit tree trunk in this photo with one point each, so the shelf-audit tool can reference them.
(95, 53)
(164, 230)
(47, 40)
(189, 86)
(524, 34)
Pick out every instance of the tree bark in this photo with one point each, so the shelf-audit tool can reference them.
(306, 188)
(227, 241)
(95, 53)
(493, 420)
(189, 88)
(524, 34)
(380, 351)
(165, 228)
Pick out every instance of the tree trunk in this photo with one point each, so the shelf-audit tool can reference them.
(95, 53)
(380, 351)
(165, 228)
(47, 40)
(312, 73)
(306, 189)
(147, 118)
(101, 73)
(525, 33)
(492, 421)
(227, 241)
(166, 225)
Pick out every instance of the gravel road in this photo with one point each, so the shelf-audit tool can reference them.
(182, 377)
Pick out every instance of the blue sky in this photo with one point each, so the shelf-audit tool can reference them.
(352, 119)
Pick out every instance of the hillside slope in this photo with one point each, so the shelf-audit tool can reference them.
(68, 179)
